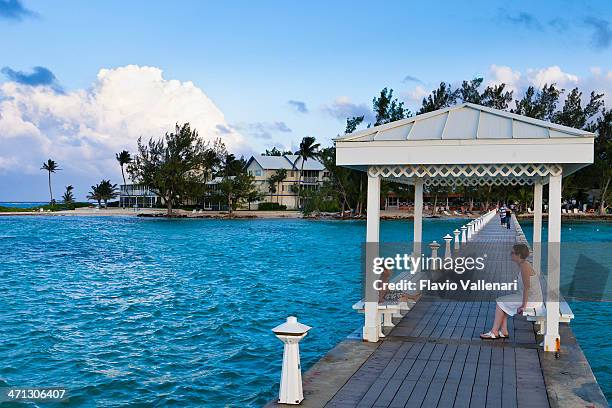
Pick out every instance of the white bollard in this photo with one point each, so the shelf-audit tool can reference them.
(456, 233)
(463, 234)
(447, 248)
(470, 230)
(434, 246)
(290, 333)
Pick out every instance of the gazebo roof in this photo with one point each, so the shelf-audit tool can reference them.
(466, 121)
(467, 141)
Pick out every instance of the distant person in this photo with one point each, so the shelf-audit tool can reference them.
(502, 215)
(529, 295)
(508, 218)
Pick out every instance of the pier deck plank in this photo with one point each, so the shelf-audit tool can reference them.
(434, 357)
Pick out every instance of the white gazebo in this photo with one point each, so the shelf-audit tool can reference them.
(473, 145)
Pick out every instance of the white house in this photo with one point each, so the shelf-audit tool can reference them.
(285, 192)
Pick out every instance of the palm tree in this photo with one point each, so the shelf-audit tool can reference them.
(68, 197)
(280, 176)
(95, 194)
(103, 191)
(51, 167)
(308, 150)
(123, 158)
(272, 183)
(108, 191)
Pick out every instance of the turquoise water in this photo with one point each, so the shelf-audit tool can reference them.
(22, 204)
(148, 312)
(591, 324)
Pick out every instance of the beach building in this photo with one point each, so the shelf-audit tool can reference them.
(137, 195)
(285, 192)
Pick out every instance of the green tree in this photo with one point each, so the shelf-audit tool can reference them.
(573, 114)
(236, 184)
(103, 191)
(309, 149)
(96, 194)
(469, 91)
(50, 167)
(386, 108)
(603, 157)
(443, 97)
(539, 104)
(123, 158)
(496, 97)
(172, 166)
(68, 196)
(352, 123)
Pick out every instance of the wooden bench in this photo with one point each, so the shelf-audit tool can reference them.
(538, 315)
(388, 310)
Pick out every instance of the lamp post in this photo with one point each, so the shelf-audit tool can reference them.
(290, 333)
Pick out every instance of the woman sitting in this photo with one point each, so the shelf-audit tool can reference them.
(528, 296)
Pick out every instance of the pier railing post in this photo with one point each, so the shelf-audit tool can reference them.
(456, 233)
(434, 246)
(290, 333)
(463, 235)
(447, 247)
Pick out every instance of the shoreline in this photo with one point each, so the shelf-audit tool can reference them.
(256, 214)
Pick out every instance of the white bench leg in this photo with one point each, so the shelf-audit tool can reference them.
(388, 318)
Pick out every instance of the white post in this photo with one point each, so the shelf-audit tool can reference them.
(456, 233)
(434, 246)
(463, 234)
(290, 333)
(470, 229)
(551, 338)
(537, 225)
(371, 328)
(447, 248)
(418, 216)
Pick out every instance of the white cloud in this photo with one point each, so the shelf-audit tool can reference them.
(415, 96)
(82, 129)
(342, 108)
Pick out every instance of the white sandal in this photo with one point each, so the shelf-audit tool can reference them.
(501, 335)
(488, 336)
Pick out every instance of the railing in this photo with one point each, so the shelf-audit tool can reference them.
(135, 190)
(310, 180)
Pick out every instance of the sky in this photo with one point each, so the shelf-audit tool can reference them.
(80, 81)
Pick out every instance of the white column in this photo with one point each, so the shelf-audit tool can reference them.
(418, 216)
(418, 220)
(537, 225)
(371, 326)
(551, 338)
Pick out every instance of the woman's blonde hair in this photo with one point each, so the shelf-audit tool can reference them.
(521, 250)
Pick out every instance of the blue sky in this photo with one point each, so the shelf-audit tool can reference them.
(252, 58)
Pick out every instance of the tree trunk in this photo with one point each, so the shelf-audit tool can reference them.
(435, 205)
(300, 182)
(50, 191)
(123, 175)
(169, 205)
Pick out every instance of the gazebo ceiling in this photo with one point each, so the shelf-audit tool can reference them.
(467, 142)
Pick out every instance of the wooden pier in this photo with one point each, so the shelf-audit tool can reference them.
(434, 357)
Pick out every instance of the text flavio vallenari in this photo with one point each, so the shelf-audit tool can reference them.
(429, 285)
